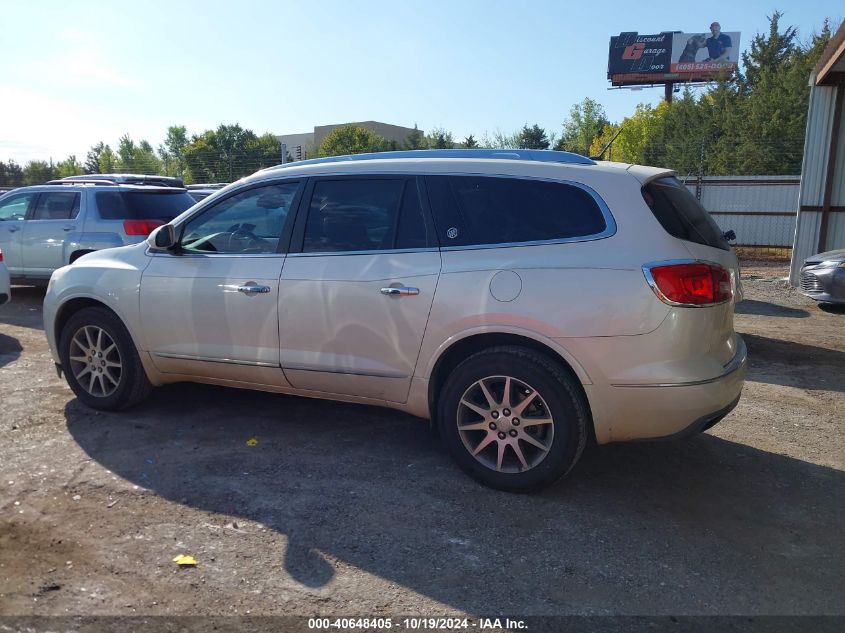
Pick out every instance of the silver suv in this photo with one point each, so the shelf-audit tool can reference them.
(45, 227)
(525, 301)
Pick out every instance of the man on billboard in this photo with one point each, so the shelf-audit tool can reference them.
(718, 45)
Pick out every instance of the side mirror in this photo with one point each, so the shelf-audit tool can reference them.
(163, 238)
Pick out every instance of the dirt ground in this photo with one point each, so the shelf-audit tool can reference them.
(349, 510)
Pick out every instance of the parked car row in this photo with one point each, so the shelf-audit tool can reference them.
(524, 301)
(45, 227)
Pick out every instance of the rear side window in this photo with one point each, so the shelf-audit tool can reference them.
(365, 214)
(492, 210)
(681, 215)
(56, 205)
(142, 205)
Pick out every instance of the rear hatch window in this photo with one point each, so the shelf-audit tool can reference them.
(161, 204)
(681, 215)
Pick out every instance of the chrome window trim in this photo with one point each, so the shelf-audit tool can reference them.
(152, 253)
(674, 262)
(609, 221)
(432, 249)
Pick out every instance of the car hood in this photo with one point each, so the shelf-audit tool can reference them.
(828, 256)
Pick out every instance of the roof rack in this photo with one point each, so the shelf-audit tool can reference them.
(121, 179)
(540, 155)
(211, 185)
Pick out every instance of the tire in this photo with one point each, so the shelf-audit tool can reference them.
(119, 380)
(550, 437)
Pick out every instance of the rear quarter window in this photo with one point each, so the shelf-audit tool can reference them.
(681, 215)
(142, 205)
(480, 210)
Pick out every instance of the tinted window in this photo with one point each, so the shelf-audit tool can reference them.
(248, 222)
(14, 207)
(681, 214)
(354, 215)
(492, 210)
(56, 205)
(154, 204)
(415, 230)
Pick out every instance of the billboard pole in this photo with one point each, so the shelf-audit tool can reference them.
(669, 85)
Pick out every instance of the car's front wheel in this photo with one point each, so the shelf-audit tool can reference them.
(513, 418)
(100, 361)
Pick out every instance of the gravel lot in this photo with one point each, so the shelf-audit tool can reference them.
(349, 510)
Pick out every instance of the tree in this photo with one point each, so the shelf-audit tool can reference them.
(37, 172)
(172, 151)
(69, 167)
(11, 174)
(439, 138)
(351, 139)
(634, 134)
(500, 140)
(107, 161)
(586, 121)
(92, 159)
(533, 137)
(470, 142)
(228, 153)
(137, 158)
(416, 139)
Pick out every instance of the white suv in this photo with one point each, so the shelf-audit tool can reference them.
(526, 301)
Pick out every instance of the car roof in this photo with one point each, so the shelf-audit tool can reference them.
(522, 163)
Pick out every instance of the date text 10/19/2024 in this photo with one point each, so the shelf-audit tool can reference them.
(422, 624)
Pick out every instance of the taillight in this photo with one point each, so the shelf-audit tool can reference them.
(1, 254)
(689, 284)
(141, 227)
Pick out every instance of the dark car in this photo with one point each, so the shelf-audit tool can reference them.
(823, 277)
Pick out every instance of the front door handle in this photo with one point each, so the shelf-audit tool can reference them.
(400, 291)
(68, 228)
(254, 289)
(12, 229)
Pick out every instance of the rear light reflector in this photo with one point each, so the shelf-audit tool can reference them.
(141, 227)
(689, 283)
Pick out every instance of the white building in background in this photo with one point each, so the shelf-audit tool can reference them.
(305, 144)
(821, 200)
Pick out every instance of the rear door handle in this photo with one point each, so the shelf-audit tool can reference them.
(12, 229)
(254, 289)
(68, 228)
(400, 291)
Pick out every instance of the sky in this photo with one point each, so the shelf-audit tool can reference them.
(75, 73)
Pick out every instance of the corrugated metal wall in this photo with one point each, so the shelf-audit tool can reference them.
(813, 173)
(761, 210)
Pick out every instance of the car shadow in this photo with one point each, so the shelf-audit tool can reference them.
(832, 308)
(698, 526)
(792, 364)
(765, 308)
(10, 349)
(25, 308)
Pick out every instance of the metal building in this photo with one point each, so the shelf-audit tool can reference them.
(821, 200)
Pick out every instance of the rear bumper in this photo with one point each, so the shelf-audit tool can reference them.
(672, 410)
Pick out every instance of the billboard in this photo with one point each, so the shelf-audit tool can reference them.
(636, 59)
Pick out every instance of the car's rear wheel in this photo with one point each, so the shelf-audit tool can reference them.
(513, 418)
(100, 361)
